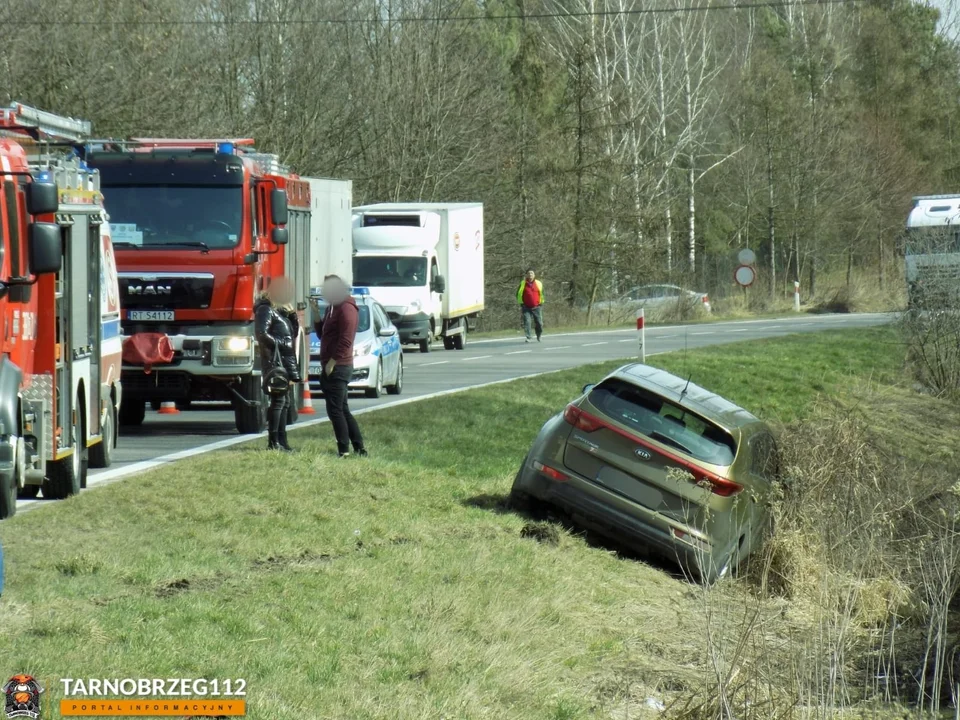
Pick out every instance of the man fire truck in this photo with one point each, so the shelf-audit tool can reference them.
(59, 298)
(200, 228)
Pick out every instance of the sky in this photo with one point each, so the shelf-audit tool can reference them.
(948, 15)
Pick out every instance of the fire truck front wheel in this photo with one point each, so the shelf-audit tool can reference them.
(101, 454)
(132, 412)
(65, 477)
(8, 495)
(251, 416)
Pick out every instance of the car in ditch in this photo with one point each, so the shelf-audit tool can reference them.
(657, 463)
(377, 355)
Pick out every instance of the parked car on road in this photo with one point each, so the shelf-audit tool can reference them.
(656, 297)
(377, 356)
(657, 463)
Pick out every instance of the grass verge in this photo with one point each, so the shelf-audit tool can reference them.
(399, 587)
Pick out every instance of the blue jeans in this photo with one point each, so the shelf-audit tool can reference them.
(534, 316)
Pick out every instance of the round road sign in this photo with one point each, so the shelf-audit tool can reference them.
(747, 257)
(745, 275)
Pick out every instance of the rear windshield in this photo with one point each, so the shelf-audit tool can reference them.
(649, 414)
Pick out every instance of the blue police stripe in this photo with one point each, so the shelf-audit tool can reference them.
(110, 329)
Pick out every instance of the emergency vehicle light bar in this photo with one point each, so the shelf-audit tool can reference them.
(42, 125)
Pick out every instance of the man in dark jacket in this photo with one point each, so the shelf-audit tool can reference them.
(337, 330)
(277, 328)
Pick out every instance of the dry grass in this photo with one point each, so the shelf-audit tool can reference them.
(864, 569)
(402, 588)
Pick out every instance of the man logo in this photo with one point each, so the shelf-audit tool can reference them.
(149, 290)
(642, 454)
(21, 697)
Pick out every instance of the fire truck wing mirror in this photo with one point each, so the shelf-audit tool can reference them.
(278, 207)
(44, 251)
(280, 236)
(43, 198)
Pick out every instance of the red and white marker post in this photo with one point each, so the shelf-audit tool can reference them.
(796, 296)
(640, 335)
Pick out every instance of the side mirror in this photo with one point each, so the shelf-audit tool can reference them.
(588, 387)
(278, 207)
(45, 253)
(43, 198)
(439, 284)
(280, 236)
(388, 331)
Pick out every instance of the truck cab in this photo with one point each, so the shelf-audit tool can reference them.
(200, 228)
(424, 264)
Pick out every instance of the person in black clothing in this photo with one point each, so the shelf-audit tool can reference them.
(278, 329)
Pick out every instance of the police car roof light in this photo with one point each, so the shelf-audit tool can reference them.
(361, 291)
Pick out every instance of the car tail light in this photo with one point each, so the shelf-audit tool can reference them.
(581, 420)
(718, 485)
(550, 472)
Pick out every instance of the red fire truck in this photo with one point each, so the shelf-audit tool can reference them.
(200, 228)
(59, 298)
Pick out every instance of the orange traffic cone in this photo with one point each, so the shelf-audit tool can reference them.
(168, 408)
(307, 408)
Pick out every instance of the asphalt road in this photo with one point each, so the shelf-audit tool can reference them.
(166, 438)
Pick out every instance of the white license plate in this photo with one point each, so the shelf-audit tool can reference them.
(150, 315)
(316, 370)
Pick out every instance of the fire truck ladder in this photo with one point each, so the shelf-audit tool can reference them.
(22, 120)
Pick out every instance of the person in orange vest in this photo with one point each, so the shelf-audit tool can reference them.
(530, 297)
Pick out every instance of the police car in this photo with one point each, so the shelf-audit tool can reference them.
(377, 357)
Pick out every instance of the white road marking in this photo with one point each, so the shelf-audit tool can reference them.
(517, 352)
(112, 476)
(592, 344)
(630, 340)
(666, 337)
(479, 357)
(711, 332)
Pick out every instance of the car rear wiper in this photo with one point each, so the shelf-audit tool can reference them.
(670, 441)
(203, 246)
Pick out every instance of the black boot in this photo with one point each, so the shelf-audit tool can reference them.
(272, 441)
(282, 441)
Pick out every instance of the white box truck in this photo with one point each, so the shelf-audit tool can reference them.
(424, 263)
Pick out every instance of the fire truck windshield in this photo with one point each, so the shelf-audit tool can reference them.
(178, 216)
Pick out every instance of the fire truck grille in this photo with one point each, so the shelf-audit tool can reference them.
(173, 291)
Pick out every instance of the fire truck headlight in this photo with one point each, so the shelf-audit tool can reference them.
(234, 345)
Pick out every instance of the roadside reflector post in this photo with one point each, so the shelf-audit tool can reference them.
(640, 335)
(796, 296)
